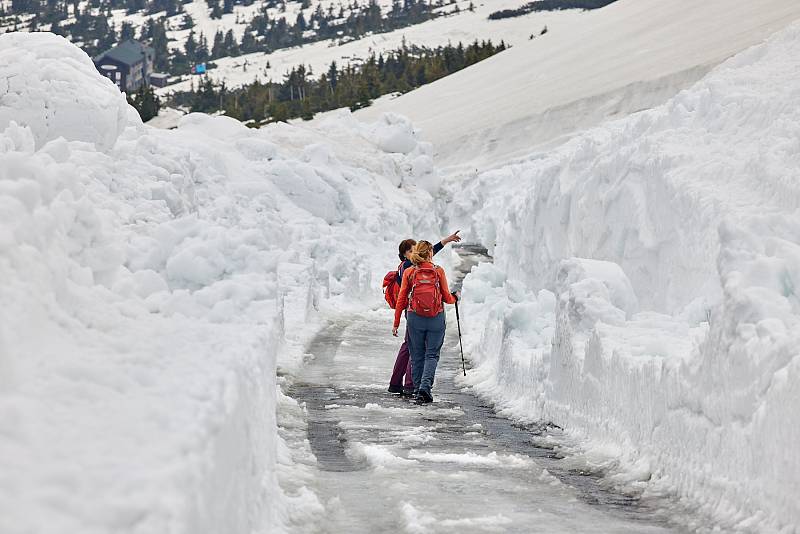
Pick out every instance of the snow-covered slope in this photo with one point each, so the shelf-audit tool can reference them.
(464, 27)
(628, 56)
(152, 282)
(58, 102)
(645, 294)
(457, 24)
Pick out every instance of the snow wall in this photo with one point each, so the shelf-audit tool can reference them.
(154, 280)
(644, 294)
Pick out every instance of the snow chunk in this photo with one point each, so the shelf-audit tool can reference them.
(594, 291)
(420, 522)
(378, 456)
(52, 87)
(470, 458)
(393, 133)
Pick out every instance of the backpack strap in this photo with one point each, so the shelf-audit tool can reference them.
(411, 269)
(438, 276)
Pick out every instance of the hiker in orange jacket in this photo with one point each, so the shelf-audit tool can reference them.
(402, 364)
(422, 293)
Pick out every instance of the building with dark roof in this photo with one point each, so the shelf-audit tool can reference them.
(128, 64)
(159, 79)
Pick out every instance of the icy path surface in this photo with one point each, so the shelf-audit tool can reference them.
(384, 464)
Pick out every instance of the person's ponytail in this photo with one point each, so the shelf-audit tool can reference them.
(422, 252)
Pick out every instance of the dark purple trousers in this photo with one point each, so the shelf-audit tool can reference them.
(402, 366)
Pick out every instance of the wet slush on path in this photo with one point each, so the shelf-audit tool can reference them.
(385, 464)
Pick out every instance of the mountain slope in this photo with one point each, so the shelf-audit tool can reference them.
(463, 27)
(565, 80)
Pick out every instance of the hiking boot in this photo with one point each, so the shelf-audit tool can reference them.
(395, 389)
(423, 397)
(408, 392)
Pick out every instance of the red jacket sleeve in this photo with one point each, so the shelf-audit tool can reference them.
(446, 296)
(402, 297)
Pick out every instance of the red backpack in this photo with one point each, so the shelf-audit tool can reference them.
(391, 288)
(426, 293)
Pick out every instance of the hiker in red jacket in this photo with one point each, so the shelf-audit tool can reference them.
(422, 293)
(402, 364)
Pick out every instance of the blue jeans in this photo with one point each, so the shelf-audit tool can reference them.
(425, 339)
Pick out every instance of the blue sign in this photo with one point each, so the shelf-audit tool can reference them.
(200, 68)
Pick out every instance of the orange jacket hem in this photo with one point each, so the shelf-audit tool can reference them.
(405, 289)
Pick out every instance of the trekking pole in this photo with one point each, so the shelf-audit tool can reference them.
(458, 322)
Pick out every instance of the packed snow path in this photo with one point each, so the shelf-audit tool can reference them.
(384, 464)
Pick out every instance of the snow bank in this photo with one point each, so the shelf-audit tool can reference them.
(153, 282)
(62, 96)
(675, 346)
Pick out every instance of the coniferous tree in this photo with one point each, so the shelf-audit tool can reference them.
(217, 49)
(333, 76)
(190, 47)
(159, 45)
(204, 98)
(126, 31)
(134, 6)
(187, 22)
(260, 23)
(179, 63)
(248, 42)
(146, 102)
(20, 6)
(306, 112)
(229, 44)
(216, 10)
(55, 28)
(173, 7)
(300, 25)
(201, 52)
(146, 31)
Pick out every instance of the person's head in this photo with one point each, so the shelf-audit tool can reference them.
(422, 252)
(405, 248)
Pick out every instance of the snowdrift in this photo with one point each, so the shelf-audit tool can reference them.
(626, 57)
(62, 96)
(644, 294)
(154, 280)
